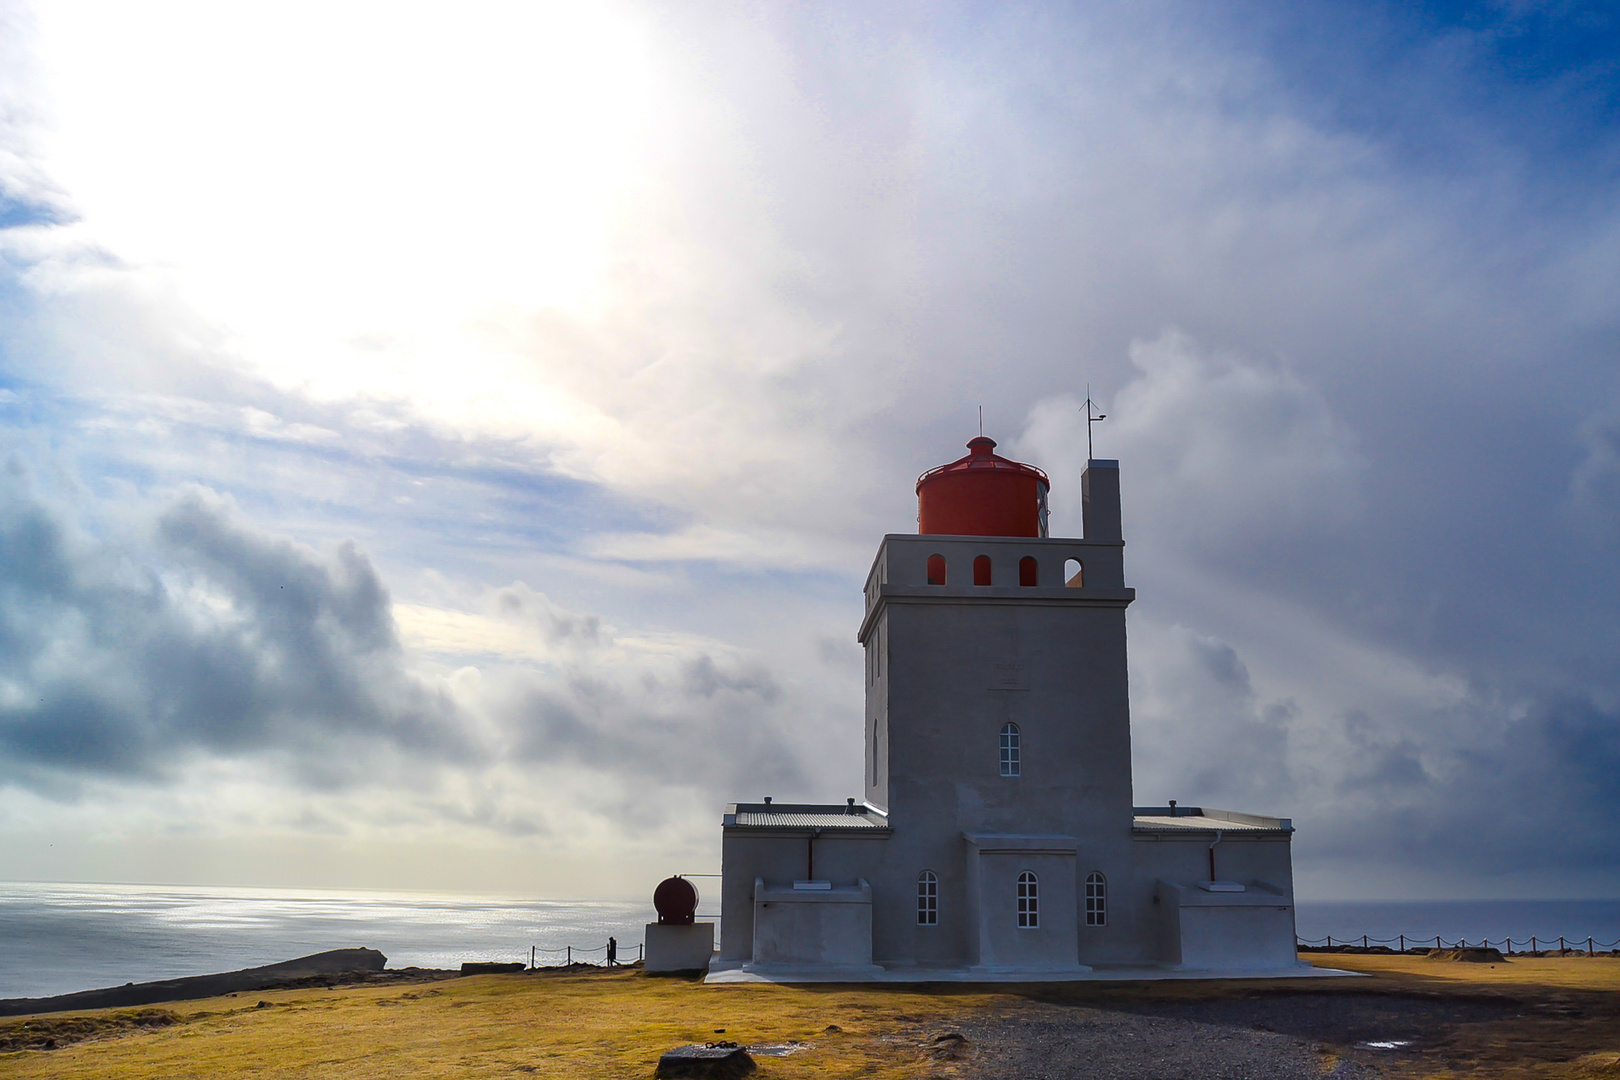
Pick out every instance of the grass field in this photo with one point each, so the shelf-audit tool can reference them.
(1555, 1018)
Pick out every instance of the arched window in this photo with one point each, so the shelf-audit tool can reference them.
(1029, 910)
(1029, 571)
(927, 899)
(1096, 899)
(981, 570)
(936, 569)
(1074, 575)
(1011, 752)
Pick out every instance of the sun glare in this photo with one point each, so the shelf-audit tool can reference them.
(344, 188)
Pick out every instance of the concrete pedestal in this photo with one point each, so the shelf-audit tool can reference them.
(679, 948)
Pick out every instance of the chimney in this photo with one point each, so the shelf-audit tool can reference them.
(1099, 499)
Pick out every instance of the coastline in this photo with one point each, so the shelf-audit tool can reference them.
(327, 969)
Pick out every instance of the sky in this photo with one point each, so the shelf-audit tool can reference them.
(442, 447)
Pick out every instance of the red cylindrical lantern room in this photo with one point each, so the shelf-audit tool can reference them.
(982, 494)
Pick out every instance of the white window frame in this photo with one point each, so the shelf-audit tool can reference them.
(1096, 899)
(1029, 901)
(1012, 750)
(927, 898)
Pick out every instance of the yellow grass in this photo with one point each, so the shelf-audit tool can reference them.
(587, 1025)
(615, 1024)
(1547, 973)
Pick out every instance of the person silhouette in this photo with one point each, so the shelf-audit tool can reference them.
(613, 952)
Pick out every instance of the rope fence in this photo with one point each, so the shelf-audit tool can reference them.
(1534, 945)
(568, 955)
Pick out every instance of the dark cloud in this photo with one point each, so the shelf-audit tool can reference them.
(219, 639)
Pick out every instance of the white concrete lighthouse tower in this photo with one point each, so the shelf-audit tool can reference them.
(998, 718)
(997, 836)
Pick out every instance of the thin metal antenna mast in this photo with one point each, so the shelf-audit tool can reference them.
(1090, 419)
(981, 421)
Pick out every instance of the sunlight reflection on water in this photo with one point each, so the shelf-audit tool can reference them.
(60, 938)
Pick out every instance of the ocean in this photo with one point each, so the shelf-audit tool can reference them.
(58, 938)
(1472, 920)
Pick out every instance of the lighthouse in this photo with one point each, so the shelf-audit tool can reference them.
(996, 835)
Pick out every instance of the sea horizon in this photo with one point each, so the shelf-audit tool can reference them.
(61, 937)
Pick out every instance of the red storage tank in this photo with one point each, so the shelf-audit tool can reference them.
(982, 495)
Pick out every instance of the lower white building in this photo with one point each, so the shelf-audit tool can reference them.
(997, 835)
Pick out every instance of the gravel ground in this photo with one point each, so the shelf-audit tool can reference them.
(1283, 1037)
(1047, 1042)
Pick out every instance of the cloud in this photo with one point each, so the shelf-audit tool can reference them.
(1217, 447)
(229, 641)
(183, 668)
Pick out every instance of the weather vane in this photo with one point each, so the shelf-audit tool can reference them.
(1090, 419)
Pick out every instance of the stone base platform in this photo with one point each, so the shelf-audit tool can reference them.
(727, 972)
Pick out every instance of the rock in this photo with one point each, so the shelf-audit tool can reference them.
(719, 1061)
(1473, 954)
(268, 977)
(951, 1046)
(483, 967)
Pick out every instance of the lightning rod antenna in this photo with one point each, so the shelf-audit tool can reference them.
(1090, 419)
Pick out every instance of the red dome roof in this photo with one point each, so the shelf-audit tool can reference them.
(983, 494)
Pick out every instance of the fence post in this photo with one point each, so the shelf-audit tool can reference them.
(1437, 941)
(1363, 941)
(1532, 943)
(1330, 941)
(570, 954)
(1588, 946)
(1560, 944)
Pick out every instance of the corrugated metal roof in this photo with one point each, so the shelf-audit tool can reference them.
(778, 820)
(1190, 822)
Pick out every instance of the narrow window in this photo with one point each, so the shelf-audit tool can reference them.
(1010, 751)
(1096, 899)
(936, 569)
(1073, 574)
(981, 570)
(874, 754)
(1029, 911)
(1029, 571)
(927, 899)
